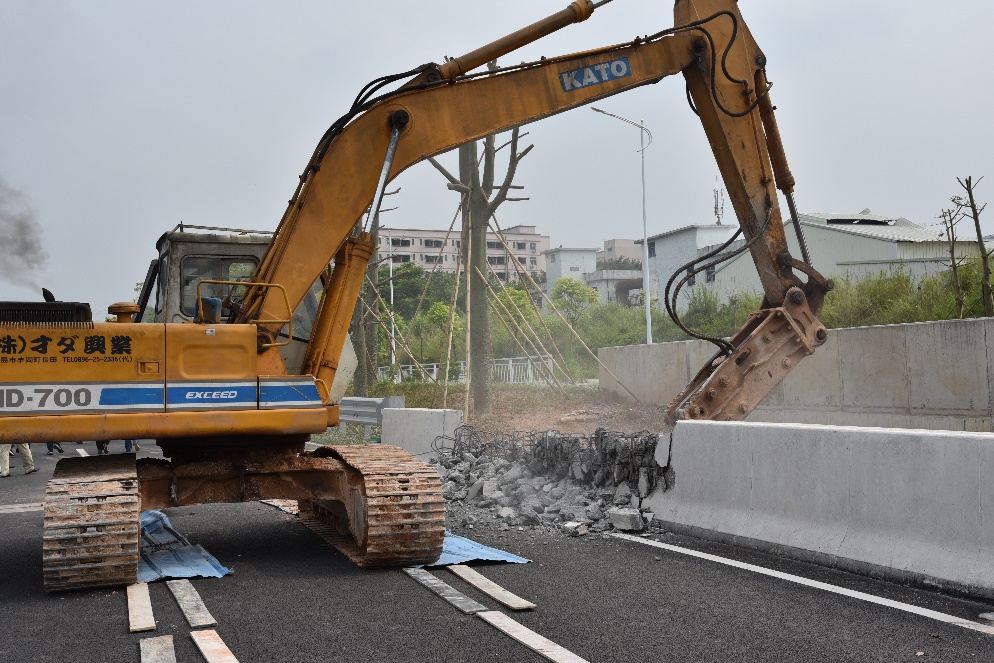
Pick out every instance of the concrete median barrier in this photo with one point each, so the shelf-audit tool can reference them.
(908, 505)
(931, 375)
(414, 429)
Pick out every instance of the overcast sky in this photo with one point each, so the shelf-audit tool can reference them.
(120, 119)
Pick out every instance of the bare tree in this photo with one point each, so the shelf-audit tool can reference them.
(969, 208)
(481, 197)
(950, 217)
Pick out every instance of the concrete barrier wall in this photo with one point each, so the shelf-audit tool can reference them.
(908, 505)
(933, 375)
(415, 429)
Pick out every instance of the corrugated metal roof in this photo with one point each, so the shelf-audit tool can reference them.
(879, 227)
(567, 248)
(459, 550)
(165, 553)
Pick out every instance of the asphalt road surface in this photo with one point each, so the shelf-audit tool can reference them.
(292, 598)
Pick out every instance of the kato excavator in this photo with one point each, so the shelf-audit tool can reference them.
(231, 405)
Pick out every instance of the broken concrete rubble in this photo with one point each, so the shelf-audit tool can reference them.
(549, 481)
(626, 519)
(574, 528)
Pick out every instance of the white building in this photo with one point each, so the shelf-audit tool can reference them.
(620, 248)
(857, 245)
(439, 249)
(567, 263)
(617, 285)
(670, 250)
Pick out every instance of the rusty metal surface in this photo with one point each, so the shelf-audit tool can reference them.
(395, 513)
(766, 349)
(231, 480)
(91, 531)
(375, 503)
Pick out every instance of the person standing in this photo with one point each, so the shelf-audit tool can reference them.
(27, 460)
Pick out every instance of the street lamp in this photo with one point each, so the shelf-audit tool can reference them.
(645, 243)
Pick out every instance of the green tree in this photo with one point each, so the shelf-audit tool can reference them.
(572, 297)
(710, 314)
(620, 263)
(429, 333)
(519, 304)
(410, 280)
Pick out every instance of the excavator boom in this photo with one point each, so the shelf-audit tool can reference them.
(443, 107)
(231, 403)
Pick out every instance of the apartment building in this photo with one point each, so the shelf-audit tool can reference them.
(620, 248)
(439, 249)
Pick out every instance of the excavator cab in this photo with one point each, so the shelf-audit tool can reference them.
(188, 255)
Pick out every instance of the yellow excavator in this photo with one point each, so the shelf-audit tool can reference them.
(232, 391)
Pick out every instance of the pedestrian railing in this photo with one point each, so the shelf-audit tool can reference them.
(511, 370)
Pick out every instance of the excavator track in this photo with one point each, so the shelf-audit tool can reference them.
(92, 528)
(399, 510)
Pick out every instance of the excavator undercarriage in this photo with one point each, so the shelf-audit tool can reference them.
(381, 506)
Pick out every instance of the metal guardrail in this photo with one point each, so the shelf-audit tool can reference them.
(368, 411)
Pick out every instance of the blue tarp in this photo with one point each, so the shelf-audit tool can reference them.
(165, 553)
(459, 550)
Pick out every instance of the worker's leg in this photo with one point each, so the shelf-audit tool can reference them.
(27, 459)
(4, 459)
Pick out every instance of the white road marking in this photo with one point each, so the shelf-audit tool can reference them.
(212, 647)
(22, 508)
(897, 605)
(82, 452)
(190, 603)
(529, 638)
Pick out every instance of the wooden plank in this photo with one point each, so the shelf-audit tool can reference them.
(450, 594)
(22, 508)
(140, 617)
(490, 588)
(529, 638)
(158, 650)
(212, 647)
(190, 603)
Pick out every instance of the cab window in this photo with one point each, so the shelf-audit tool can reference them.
(195, 269)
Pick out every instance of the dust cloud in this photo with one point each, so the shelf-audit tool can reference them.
(22, 252)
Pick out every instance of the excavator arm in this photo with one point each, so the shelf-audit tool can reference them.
(441, 107)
